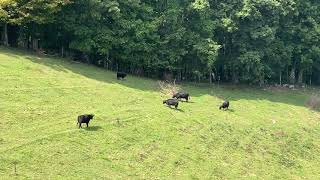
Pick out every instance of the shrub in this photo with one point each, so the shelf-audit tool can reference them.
(314, 102)
(168, 88)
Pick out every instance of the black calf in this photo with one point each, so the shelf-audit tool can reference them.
(225, 105)
(180, 95)
(171, 102)
(84, 119)
(121, 75)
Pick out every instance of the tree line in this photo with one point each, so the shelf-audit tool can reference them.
(238, 41)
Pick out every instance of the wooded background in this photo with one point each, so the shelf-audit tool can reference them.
(239, 41)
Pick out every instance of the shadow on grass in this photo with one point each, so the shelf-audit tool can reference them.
(191, 102)
(92, 128)
(228, 110)
(180, 110)
(229, 92)
(12, 52)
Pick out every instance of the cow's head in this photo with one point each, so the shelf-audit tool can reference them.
(91, 116)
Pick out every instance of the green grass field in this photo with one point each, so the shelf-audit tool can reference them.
(264, 135)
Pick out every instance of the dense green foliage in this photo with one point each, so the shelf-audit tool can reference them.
(249, 41)
(265, 134)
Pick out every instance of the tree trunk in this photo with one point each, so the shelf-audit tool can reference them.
(280, 78)
(62, 51)
(235, 77)
(87, 58)
(29, 42)
(106, 62)
(35, 44)
(310, 81)
(287, 73)
(300, 78)
(224, 46)
(5, 35)
(261, 82)
(185, 74)
(292, 76)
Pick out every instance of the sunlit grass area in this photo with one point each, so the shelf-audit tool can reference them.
(265, 134)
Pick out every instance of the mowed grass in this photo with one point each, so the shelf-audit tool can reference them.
(265, 134)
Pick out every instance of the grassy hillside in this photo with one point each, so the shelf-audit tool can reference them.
(266, 134)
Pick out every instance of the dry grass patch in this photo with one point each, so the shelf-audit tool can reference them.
(314, 102)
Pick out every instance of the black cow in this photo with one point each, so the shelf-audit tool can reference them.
(121, 75)
(171, 102)
(225, 105)
(180, 95)
(84, 119)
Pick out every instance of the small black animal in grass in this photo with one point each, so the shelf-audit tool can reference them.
(180, 95)
(171, 102)
(224, 105)
(85, 118)
(121, 75)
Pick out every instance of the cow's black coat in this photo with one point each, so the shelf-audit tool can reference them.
(180, 95)
(121, 75)
(225, 105)
(171, 102)
(85, 118)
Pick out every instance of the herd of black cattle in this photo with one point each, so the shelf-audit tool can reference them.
(174, 101)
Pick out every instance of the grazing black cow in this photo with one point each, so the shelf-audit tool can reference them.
(225, 105)
(84, 119)
(171, 102)
(180, 95)
(121, 75)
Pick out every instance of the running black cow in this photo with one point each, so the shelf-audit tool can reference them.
(171, 102)
(85, 118)
(121, 75)
(180, 95)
